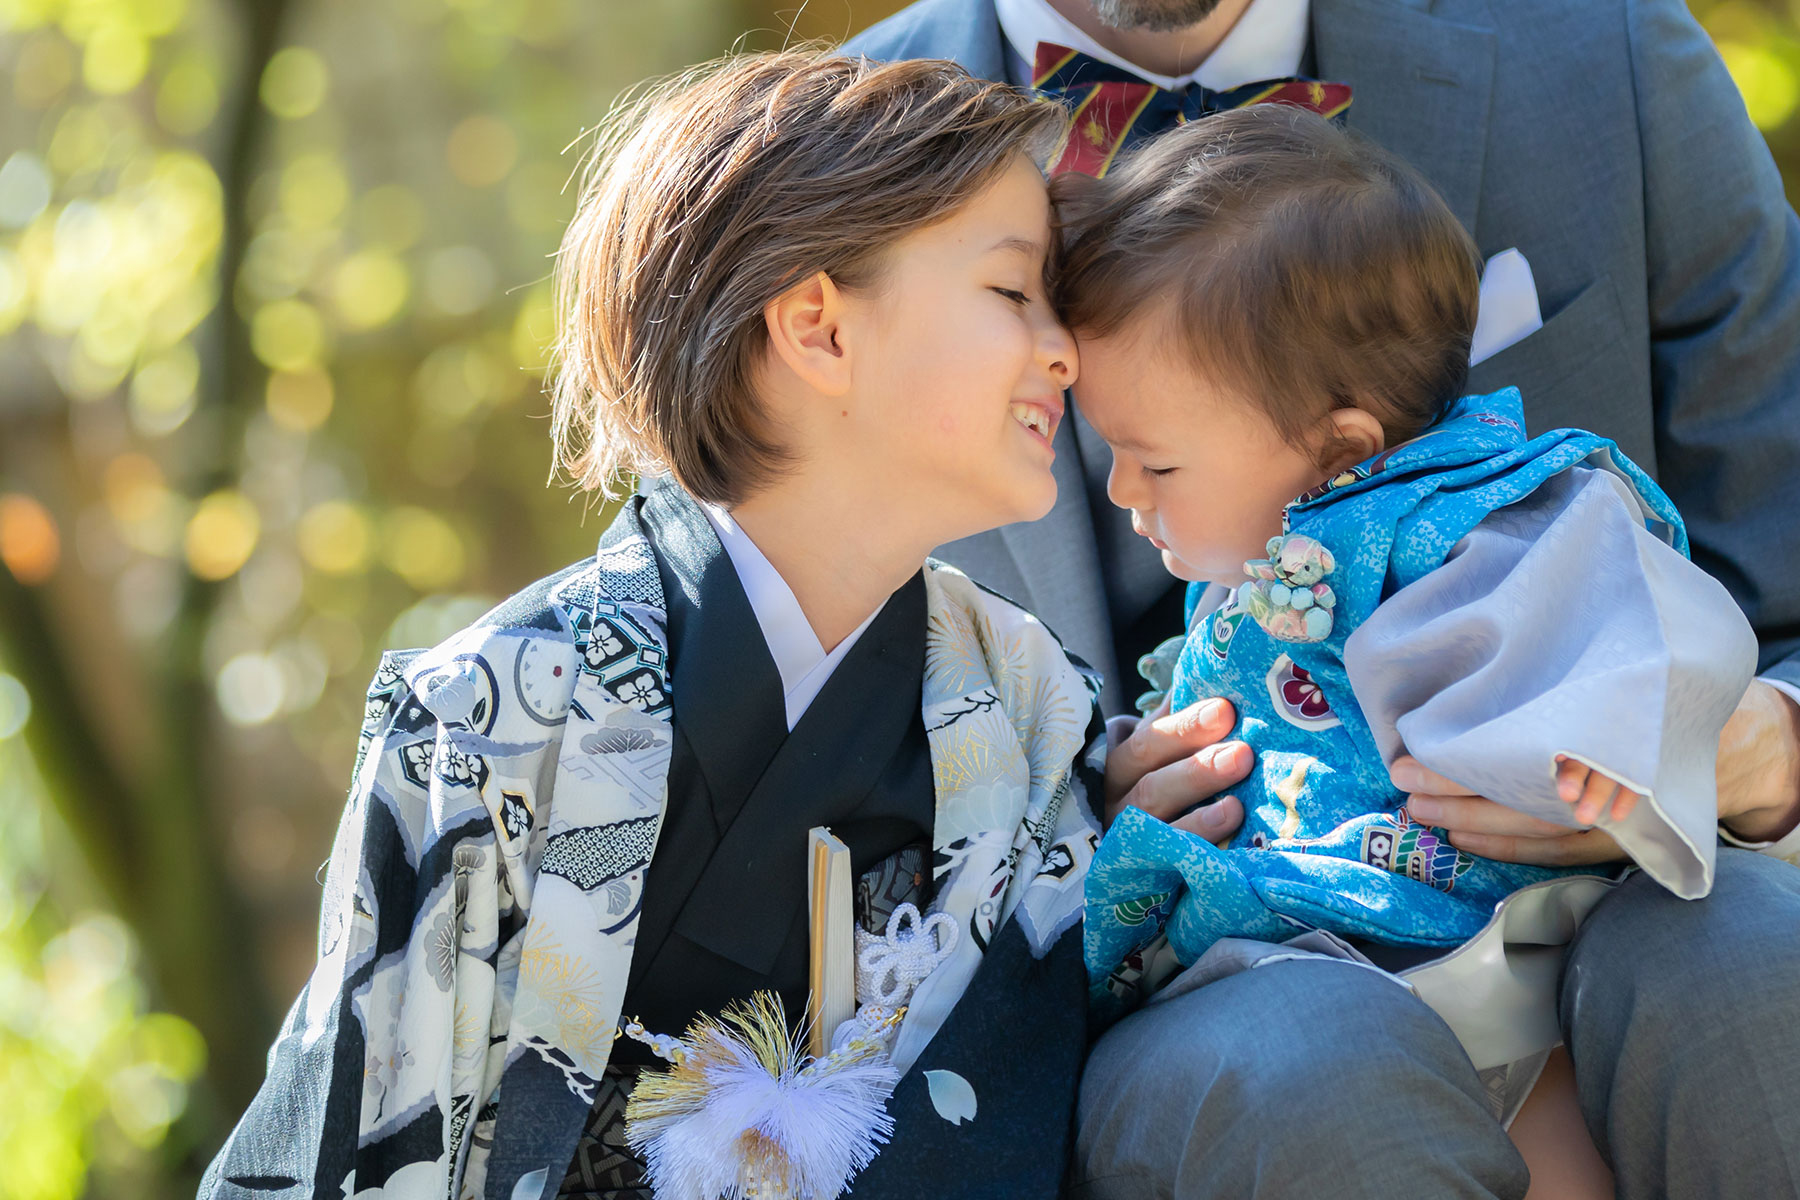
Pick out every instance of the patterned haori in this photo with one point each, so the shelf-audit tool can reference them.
(483, 895)
(1327, 843)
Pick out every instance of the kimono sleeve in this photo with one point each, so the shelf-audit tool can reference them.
(299, 1136)
(1561, 625)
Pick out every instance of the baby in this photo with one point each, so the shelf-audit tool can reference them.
(1275, 320)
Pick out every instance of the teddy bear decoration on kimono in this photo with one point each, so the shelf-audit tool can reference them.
(1287, 594)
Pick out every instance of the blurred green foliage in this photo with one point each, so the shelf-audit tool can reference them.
(273, 303)
(86, 1073)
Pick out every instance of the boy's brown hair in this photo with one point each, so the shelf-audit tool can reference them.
(1299, 266)
(708, 196)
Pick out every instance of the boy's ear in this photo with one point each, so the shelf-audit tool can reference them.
(1354, 434)
(805, 326)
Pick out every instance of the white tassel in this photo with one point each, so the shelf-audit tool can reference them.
(744, 1114)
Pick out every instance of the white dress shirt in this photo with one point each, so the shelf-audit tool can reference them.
(1268, 42)
(799, 655)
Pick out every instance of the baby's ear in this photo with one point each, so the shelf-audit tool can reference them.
(1352, 435)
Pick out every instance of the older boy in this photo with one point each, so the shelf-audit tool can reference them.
(812, 291)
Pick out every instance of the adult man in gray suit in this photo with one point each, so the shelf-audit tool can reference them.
(1606, 142)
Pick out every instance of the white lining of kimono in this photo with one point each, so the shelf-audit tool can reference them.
(799, 656)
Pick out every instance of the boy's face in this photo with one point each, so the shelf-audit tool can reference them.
(1204, 474)
(961, 378)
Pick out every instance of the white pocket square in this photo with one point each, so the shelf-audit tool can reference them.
(1508, 311)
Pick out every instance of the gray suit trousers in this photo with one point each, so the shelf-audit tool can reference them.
(1683, 1020)
(1314, 1078)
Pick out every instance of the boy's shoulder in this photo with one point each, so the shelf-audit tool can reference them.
(545, 603)
(533, 631)
(947, 587)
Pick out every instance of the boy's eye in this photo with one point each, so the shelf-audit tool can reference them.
(1019, 298)
(1159, 471)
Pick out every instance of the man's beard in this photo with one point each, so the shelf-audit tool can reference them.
(1157, 16)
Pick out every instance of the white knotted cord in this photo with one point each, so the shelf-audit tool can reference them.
(889, 967)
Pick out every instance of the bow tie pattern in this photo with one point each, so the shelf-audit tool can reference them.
(1113, 108)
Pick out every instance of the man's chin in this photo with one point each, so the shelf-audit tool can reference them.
(1153, 16)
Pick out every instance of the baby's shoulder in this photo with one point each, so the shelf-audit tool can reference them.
(1579, 493)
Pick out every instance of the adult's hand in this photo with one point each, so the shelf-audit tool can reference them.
(1167, 764)
(1759, 766)
(1491, 830)
(1758, 782)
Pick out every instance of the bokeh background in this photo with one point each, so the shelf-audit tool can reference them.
(273, 306)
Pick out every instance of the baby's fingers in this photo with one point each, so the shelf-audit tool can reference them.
(1624, 802)
(1591, 791)
(1571, 778)
(1596, 794)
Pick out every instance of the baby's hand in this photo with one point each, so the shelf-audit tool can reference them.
(1590, 791)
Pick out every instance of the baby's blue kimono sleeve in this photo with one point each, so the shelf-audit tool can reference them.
(1562, 625)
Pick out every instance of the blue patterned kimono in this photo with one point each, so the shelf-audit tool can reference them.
(1326, 843)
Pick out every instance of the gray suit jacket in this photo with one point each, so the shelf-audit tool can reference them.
(1605, 140)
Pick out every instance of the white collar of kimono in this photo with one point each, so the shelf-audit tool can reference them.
(1267, 42)
(798, 653)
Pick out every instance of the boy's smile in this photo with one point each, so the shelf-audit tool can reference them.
(1040, 417)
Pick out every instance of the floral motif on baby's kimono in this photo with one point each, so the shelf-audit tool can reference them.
(1135, 912)
(1415, 851)
(415, 762)
(1223, 625)
(642, 691)
(1298, 699)
(605, 644)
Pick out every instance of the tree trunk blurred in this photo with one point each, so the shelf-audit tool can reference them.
(151, 832)
(151, 826)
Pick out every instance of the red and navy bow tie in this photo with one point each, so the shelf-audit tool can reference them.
(1113, 108)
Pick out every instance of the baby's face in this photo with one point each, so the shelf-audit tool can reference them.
(1204, 474)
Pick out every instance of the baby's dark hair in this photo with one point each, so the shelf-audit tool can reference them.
(1300, 266)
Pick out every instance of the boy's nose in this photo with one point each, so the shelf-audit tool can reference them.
(1060, 356)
